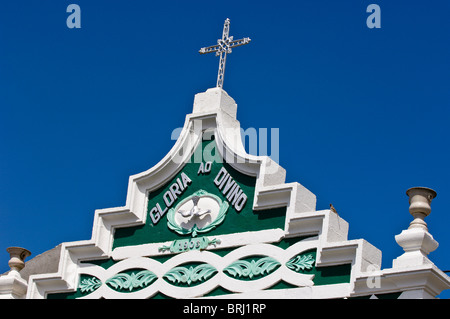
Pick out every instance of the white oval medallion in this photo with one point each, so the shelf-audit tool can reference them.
(198, 213)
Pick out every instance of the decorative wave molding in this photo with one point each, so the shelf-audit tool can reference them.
(195, 273)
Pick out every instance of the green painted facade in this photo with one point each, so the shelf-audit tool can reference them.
(234, 222)
(322, 275)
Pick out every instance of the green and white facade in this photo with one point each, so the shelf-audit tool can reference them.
(211, 221)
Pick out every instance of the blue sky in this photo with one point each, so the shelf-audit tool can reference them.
(362, 113)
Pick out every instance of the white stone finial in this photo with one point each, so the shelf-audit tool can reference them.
(419, 205)
(17, 257)
(12, 285)
(416, 241)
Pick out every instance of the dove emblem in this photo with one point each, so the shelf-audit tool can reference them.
(195, 210)
(198, 213)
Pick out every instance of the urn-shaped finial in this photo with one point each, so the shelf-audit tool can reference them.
(419, 205)
(17, 257)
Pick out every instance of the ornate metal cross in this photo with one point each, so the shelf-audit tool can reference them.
(223, 47)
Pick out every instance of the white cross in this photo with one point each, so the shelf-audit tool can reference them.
(223, 47)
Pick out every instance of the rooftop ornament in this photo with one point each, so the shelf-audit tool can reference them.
(416, 241)
(222, 48)
(12, 285)
(17, 257)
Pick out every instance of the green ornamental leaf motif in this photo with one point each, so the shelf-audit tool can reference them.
(246, 269)
(184, 275)
(301, 262)
(89, 284)
(133, 281)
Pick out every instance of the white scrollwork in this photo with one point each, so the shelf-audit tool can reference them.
(215, 277)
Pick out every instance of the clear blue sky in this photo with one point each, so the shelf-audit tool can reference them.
(363, 114)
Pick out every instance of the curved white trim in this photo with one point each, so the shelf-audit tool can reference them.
(219, 279)
(213, 110)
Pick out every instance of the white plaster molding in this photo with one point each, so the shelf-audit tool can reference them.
(313, 292)
(423, 281)
(226, 241)
(12, 286)
(330, 226)
(215, 110)
(219, 279)
(417, 244)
